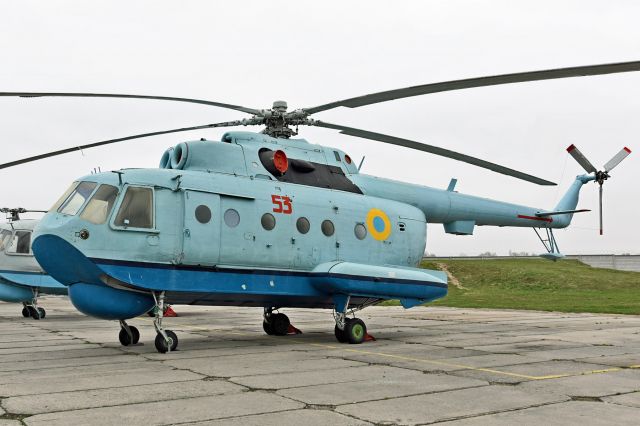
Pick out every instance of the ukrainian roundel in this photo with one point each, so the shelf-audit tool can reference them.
(379, 224)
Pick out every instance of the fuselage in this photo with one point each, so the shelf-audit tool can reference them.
(226, 217)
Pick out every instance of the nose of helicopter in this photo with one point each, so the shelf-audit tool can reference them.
(87, 291)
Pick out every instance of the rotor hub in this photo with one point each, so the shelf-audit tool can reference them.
(278, 122)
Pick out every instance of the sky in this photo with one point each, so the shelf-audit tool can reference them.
(254, 52)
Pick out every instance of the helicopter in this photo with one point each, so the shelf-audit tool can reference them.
(268, 220)
(22, 280)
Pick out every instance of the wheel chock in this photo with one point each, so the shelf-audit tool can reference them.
(369, 338)
(293, 330)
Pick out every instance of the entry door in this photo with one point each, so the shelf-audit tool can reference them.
(201, 228)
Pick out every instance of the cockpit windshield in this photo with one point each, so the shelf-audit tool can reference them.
(77, 198)
(5, 238)
(64, 197)
(99, 207)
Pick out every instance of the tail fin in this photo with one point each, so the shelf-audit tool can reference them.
(567, 205)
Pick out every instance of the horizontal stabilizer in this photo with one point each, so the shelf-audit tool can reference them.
(545, 214)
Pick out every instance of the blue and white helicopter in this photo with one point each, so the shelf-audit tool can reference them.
(266, 220)
(22, 280)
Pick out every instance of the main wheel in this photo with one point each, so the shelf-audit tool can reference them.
(355, 330)
(280, 324)
(42, 313)
(340, 335)
(33, 313)
(135, 333)
(25, 312)
(124, 337)
(163, 345)
(266, 326)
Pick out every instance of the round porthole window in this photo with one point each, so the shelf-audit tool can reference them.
(203, 214)
(327, 228)
(303, 225)
(268, 221)
(361, 231)
(231, 218)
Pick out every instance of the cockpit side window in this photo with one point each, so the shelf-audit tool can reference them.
(21, 243)
(5, 239)
(77, 198)
(99, 207)
(136, 208)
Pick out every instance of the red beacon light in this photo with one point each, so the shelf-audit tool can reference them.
(280, 161)
(347, 159)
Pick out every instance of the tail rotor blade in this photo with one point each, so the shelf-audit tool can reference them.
(581, 159)
(600, 202)
(617, 159)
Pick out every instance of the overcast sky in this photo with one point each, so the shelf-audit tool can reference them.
(254, 52)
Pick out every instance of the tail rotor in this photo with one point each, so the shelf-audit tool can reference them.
(600, 175)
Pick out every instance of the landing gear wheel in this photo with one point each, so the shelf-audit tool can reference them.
(126, 339)
(42, 313)
(135, 333)
(266, 326)
(163, 345)
(33, 313)
(280, 324)
(355, 331)
(340, 335)
(25, 312)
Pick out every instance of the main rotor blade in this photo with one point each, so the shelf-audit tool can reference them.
(617, 159)
(469, 83)
(433, 150)
(110, 141)
(115, 95)
(581, 159)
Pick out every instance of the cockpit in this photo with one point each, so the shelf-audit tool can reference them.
(95, 202)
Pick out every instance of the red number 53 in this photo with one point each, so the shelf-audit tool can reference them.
(282, 204)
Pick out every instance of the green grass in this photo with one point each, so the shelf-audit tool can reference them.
(539, 284)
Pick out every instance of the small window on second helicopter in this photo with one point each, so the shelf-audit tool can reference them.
(5, 238)
(136, 208)
(21, 243)
(99, 207)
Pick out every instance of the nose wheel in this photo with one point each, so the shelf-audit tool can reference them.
(166, 340)
(129, 335)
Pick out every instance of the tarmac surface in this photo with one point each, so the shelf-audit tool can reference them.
(428, 365)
